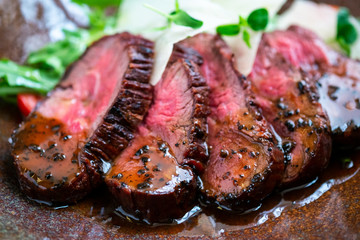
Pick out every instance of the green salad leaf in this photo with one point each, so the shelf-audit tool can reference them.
(58, 55)
(15, 79)
(44, 68)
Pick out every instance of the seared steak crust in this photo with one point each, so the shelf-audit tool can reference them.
(35, 160)
(289, 101)
(53, 161)
(149, 185)
(197, 153)
(338, 83)
(126, 113)
(152, 179)
(244, 165)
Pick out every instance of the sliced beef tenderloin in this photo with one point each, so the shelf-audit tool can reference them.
(338, 82)
(63, 147)
(337, 77)
(244, 165)
(153, 180)
(289, 101)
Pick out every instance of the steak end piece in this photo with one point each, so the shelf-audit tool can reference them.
(46, 160)
(150, 185)
(338, 83)
(153, 180)
(289, 101)
(337, 79)
(64, 146)
(244, 164)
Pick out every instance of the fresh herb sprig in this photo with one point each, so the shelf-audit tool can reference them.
(346, 33)
(178, 17)
(257, 21)
(44, 68)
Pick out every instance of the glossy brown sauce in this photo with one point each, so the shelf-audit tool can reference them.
(149, 168)
(46, 152)
(232, 164)
(341, 98)
(200, 221)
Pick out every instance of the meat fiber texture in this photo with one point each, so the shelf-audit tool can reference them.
(244, 165)
(154, 179)
(61, 150)
(284, 82)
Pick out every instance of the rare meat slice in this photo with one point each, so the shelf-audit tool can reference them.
(337, 77)
(153, 180)
(244, 165)
(62, 148)
(289, 101)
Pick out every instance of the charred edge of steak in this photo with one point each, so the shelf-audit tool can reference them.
(44, 182)
(316, 158)
(197, 153)
(65, 193)
(261, 185)
(181, 51)
(128, 110)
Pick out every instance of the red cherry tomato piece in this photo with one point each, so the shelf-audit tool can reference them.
(27, 102)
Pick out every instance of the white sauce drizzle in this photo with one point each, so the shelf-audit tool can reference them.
(137, 19)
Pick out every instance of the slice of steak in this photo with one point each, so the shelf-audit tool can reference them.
(338, 84)
(244, 165)
(153, 179)
(62, 148)
(289, 101)
(338, 79)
